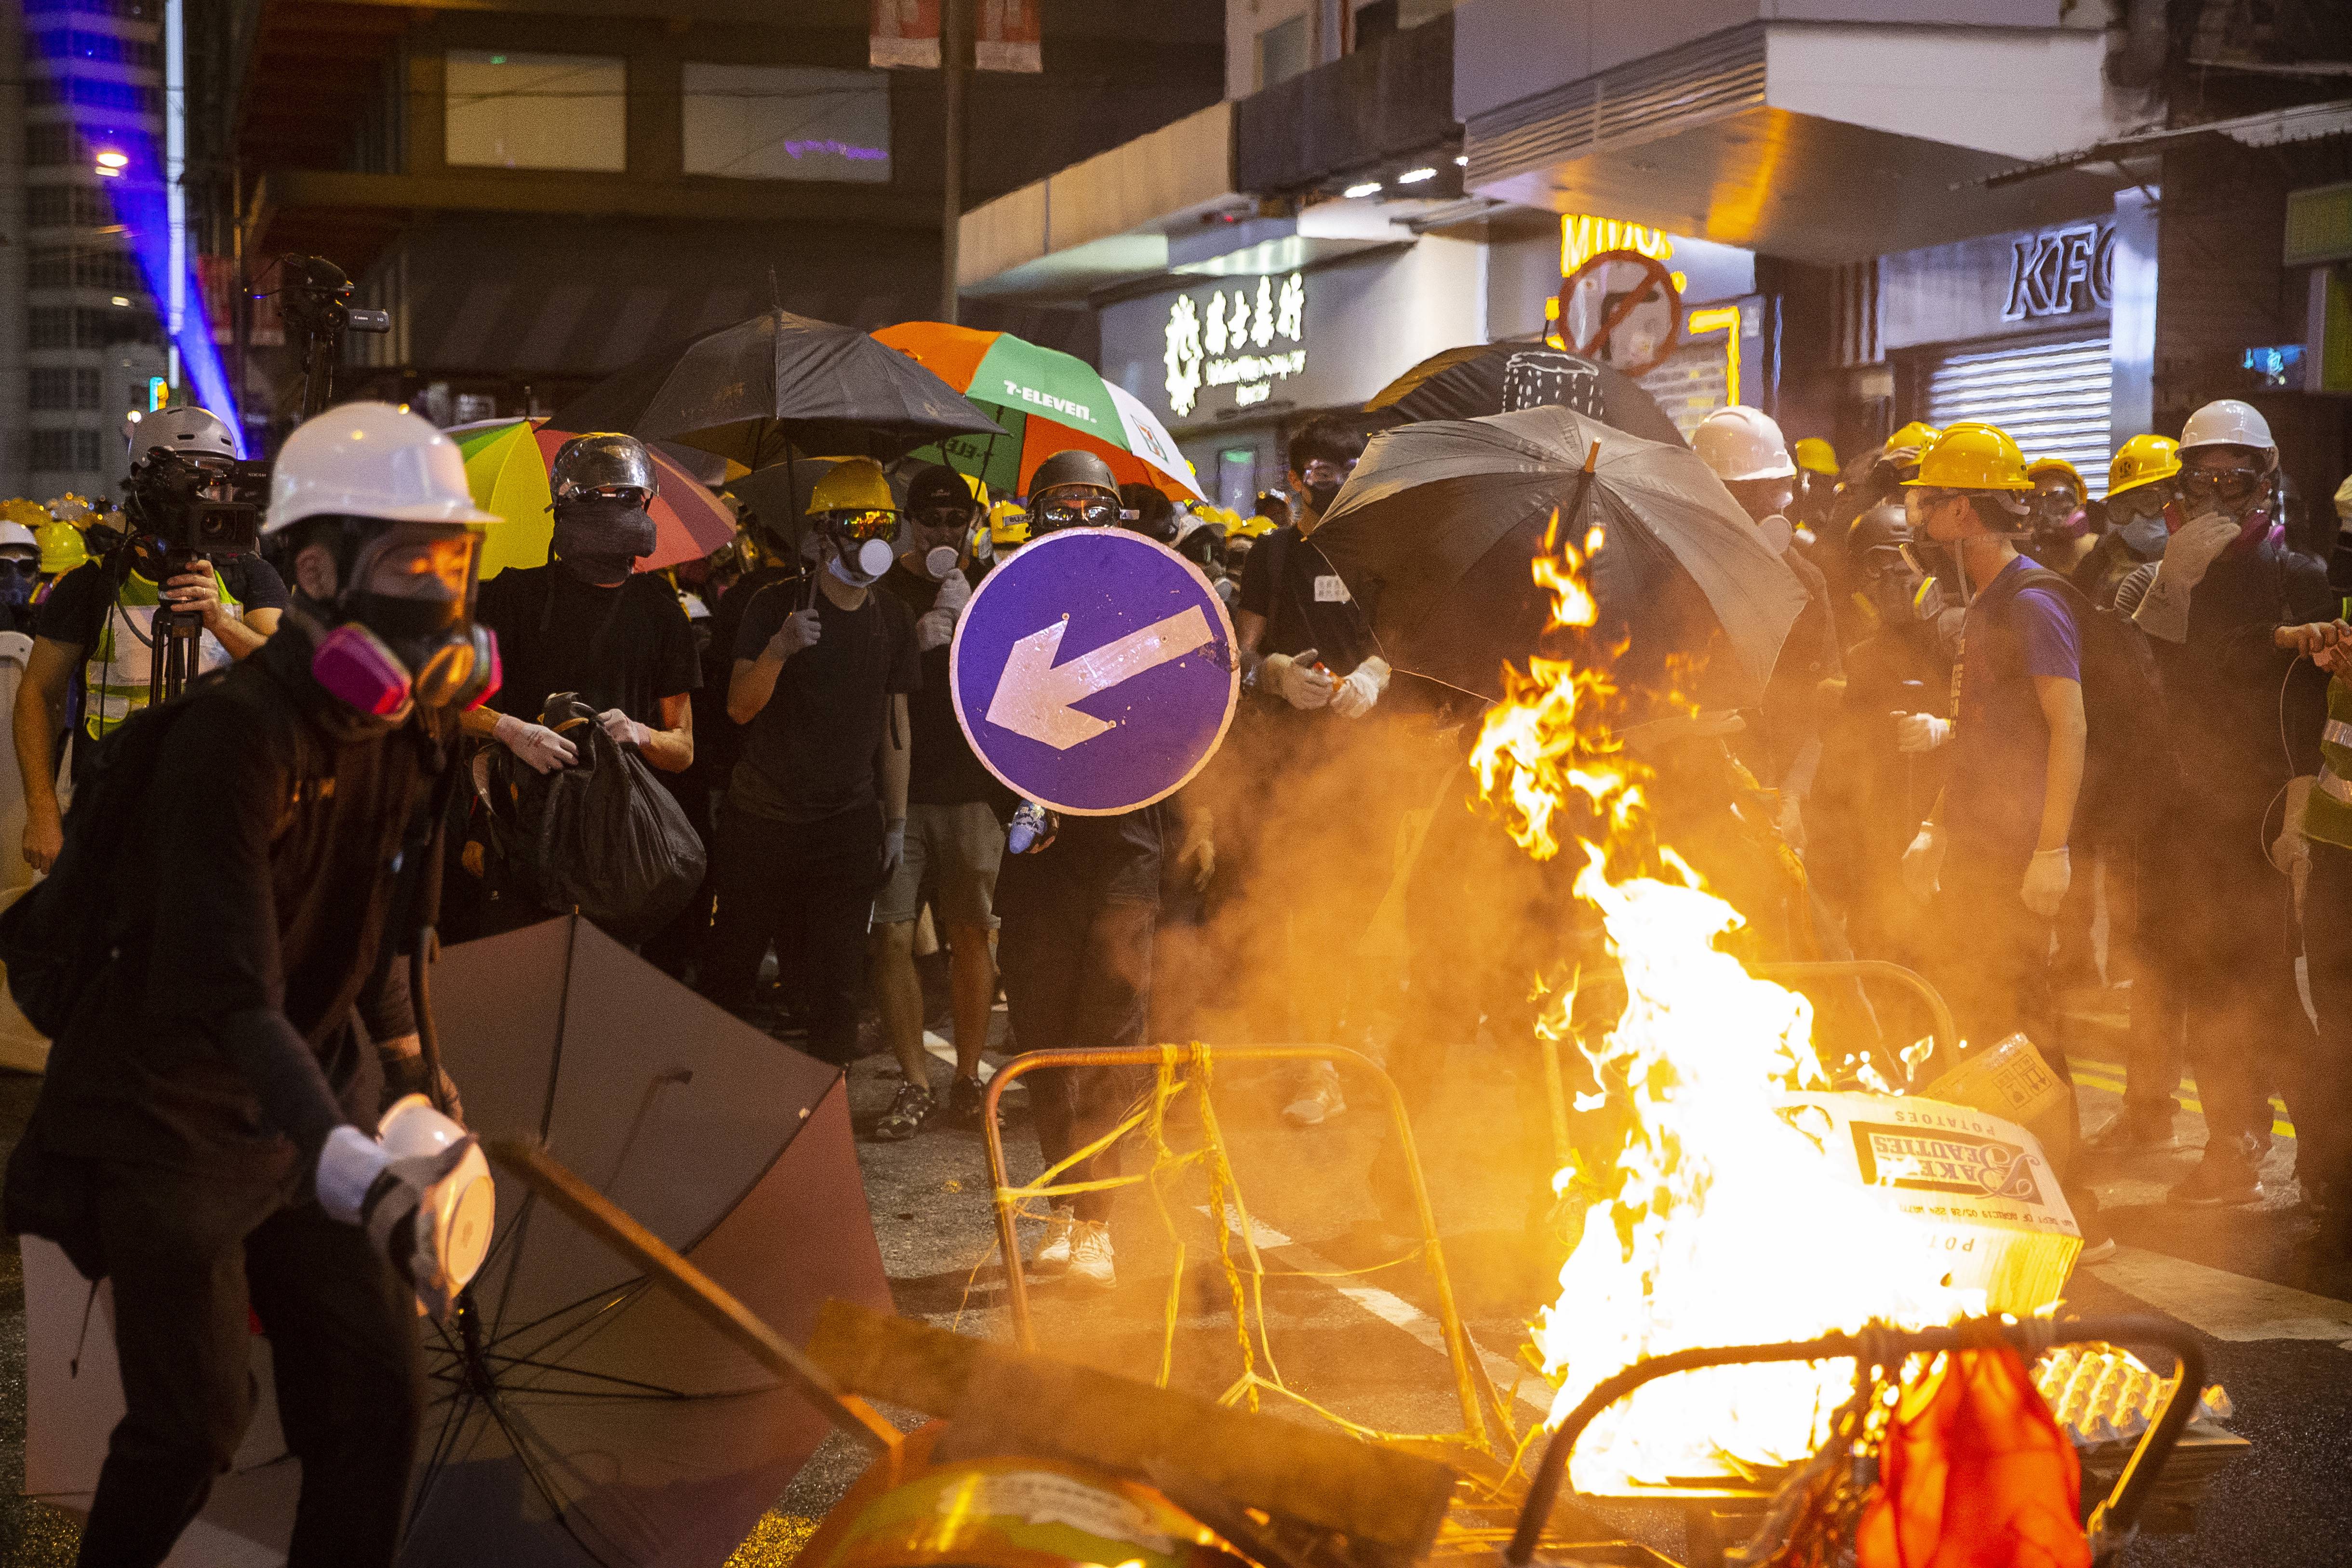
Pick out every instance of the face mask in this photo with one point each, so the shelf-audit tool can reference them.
(1321, 493)
(1776, 532)
(17, 581)
(358, 668)
(941, 561)
(603, 526)
(864, 567)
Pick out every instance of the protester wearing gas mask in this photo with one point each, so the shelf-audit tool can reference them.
(2060, 535)
(2138, 515)
(814, 821)
(955, 811)
(93, 631)
(1079, 902)
(20, 569)
(2216, 612)
(589, 623)
(209, 1134)
(1744, 448)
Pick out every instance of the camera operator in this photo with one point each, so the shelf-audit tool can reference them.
(94, 637)
(590, 623)
(206, 1135)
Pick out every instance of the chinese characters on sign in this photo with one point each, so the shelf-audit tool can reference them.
(1234, 339)
(2059, 272)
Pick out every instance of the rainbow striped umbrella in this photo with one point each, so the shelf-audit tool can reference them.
(506, 467)
(1046, 402)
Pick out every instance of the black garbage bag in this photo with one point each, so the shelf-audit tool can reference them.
(602, 837)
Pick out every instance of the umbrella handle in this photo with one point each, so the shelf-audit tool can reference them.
(613, 1226)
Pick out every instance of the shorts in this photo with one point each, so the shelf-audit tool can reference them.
(952, 853)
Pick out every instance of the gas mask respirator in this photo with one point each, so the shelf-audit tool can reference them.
(603, 535)
(407, 633)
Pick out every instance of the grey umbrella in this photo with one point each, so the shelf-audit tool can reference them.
(1434, 532)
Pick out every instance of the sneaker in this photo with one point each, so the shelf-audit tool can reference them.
(905, 1118)
(1053, 1254)
(2218, 1182)
(2098, 1242)
(1090, 1260)
(962, 1108)
(1319, 1100)
(2131, 1131)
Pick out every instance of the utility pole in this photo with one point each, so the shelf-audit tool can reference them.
(955, 50)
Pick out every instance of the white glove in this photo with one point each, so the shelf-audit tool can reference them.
(1919, 732)
(625, 730)
(2164, 611)
(934, 629)
(1357, 693)
(2046, 876)
(893, 848)
(534, 743)
(396, 1201)
(1923, 863)
(955, 593)
(1296, 680)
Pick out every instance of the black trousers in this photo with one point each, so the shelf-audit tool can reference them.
(1077, 977)
(188, 1256)
(2323, 1114)
(809, 887)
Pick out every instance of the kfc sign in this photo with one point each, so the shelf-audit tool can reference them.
(2061, 272)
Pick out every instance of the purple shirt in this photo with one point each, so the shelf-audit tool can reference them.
(2000, 744)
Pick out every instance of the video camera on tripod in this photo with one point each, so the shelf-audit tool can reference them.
(180, 506)
(314, 300)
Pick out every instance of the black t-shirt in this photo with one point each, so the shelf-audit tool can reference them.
(627, 647)
(1091, 859)
(944, 770)
(810, 753)
(1309, 608)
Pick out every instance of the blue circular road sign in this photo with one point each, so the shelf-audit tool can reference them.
(1095, 672)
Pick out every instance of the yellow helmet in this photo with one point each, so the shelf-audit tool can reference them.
(853, 485)
(2143, 460)
(2042, 465)
(31, 514)
(1972, 457)
(1815, 455)
(1917, 434)
(1008, 524)
(62, 547)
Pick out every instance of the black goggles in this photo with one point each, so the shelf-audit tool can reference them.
(22, 566)
(2230, 487)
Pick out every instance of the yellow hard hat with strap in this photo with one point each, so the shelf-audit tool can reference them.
(1972, 457)
(1815, 455)
(2042, 465)
(853, 485)
(1918, 436)
(2142, 460)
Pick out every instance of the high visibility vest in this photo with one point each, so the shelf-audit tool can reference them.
(115, 675)
(2328, 817)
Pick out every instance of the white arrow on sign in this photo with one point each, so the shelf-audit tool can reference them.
(1033, 695)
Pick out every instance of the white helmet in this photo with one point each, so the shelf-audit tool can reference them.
(370, 460)
(186, 428)
(1740, 442)
(19, 536)
(2226, 422)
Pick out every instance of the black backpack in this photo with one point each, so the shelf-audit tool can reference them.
(52, 938)
(2129, 767)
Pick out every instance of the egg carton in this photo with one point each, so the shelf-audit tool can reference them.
(2104, 1394)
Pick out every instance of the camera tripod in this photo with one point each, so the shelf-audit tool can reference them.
(175, 640)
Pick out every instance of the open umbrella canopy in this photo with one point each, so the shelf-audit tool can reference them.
(1435, 531)
(506, 464)
(1044, 401)
(579, 1417)
(775, 384)
(1504, 378)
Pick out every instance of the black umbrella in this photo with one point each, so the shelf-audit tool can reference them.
(763, 389)
(1435, 531)
(1504, 378)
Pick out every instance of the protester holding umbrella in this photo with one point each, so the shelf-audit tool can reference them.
(587, 622)
(815, 817)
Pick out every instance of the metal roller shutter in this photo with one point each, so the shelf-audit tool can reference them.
(2052, 398)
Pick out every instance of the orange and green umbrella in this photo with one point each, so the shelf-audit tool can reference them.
(506, 467)
(1046, 402)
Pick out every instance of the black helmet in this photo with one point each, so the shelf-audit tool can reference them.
(601, 460)
(1066, 471)
(1884, 527)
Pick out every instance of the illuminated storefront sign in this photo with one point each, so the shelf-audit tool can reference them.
(1236, 338)
(2061, 272)
(1582, 237)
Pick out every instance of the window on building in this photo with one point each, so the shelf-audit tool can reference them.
(57, 206)
(1282, 51)
(51, 389)
(65, 266)
(787, 122)
(66, 451)
(537, 111)
(48, 146)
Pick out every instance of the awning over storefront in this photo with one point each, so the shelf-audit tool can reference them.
(1825, 140)
(2304, 123)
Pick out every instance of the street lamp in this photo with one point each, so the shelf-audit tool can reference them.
(112, 164)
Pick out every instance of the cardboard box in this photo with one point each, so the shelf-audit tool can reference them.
(1977, 1186)
(2011, 1081)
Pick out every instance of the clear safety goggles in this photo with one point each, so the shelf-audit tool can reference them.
(424, 564)
(2135, 505)
(2230, 487)
(1089, 509)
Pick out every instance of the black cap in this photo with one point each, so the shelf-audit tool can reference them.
(937, 485)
